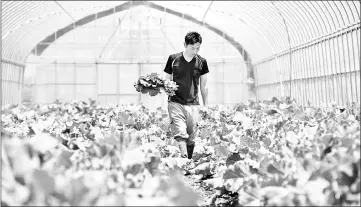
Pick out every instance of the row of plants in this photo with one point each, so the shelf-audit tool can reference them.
(273, 152)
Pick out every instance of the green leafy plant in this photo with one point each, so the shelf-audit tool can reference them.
(153, 84)
(273, 152)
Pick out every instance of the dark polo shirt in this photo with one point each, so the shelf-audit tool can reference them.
(187, 76)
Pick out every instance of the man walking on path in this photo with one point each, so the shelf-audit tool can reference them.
(189, 71)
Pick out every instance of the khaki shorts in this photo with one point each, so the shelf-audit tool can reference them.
(183, 121)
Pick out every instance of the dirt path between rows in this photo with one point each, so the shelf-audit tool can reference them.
(205, 193)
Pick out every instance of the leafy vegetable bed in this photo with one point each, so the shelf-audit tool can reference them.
(256, 153)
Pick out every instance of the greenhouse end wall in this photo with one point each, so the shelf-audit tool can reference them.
(113, 83)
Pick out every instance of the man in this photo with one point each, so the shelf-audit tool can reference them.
(189, 71)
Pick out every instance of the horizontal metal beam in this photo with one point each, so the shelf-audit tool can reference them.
(10, 81)
(310, 78)
(121, 94)
(65, 84)
(13, 62)
(232, 59)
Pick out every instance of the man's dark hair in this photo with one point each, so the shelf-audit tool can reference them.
(192, 38)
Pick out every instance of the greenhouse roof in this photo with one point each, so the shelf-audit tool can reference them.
(269, 26)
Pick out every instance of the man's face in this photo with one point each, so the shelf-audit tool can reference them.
(192, 50)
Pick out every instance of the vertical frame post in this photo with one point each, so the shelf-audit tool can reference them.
(96, 90)
(339, 72)
(75, 84)
(55, 80)
(334, 71)
(344, 70)
(118, 82)
(349, 81)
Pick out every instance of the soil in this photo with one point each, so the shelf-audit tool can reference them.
(205, 193)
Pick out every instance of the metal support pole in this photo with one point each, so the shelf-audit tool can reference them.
(340, 73)
(309, 74)
(305, 76)
(335, 71)
(332, 75)
(289, 45)
(21, 83)
(14, 87)
(118, 83)
(293, 81)
(354, 55)
(325, 72)
(205, 13)
(359, 53)
(256, 82)
(324, 75)
(321, 74)
(66, 11)
(165, 32)
(316, 76)
(223, 101)
(140, 74)
(297, 78)
(343, 75)
(56, 80)
(275, 57)
(290, 74)
(35, 85)
(300, 89)
(349, 66)
(75, 81)
(359, 56)
(2, 86)
(130, 33)
(327, 69)
(96, 90)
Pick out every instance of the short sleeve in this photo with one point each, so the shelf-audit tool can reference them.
(205, 68)
(168, 66)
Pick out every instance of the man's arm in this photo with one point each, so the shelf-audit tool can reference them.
(168, 69)
(204, 89)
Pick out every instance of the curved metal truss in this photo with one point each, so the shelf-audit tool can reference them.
(282, 35)
(284, 24)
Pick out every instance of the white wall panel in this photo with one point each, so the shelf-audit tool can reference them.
(65, 73)
(107, 79)
(85, 73)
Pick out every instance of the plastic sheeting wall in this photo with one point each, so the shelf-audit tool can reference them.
(11, 83)
(313, 30)
(324, 71)
(112, 83)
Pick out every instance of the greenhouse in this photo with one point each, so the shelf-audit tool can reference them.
(278, 111)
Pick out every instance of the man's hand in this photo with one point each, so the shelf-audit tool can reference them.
(168, 76)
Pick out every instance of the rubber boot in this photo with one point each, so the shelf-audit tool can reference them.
(190, 149)
(182, 144)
